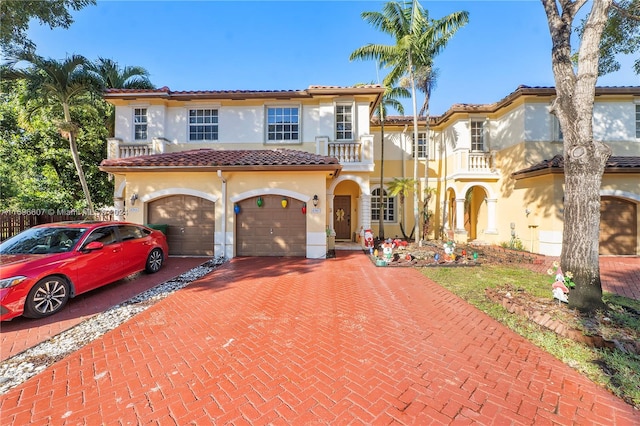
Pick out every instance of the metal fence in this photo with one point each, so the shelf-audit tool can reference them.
(14, 223)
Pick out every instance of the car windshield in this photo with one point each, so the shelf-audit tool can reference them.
(43, 241)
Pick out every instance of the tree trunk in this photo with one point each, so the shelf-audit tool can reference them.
(382, 197)
(76, 158)
(584, 158)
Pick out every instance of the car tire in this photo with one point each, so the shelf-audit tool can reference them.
(154, 261)
(47, 297)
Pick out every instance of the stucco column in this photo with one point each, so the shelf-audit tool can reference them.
(459, 226)
(491, 216)
(118, 204)
(364, 218)
(330, 197)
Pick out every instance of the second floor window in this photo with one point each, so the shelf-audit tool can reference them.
(422, 145)
(140, 124)
(203, 124)
(283, 124)
(389, 211)
(344, 122)
(477, 135)
(638, 121)
(557, 130)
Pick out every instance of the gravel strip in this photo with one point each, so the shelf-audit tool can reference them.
(23, 366)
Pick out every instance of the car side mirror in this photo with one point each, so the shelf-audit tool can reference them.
(92, 246)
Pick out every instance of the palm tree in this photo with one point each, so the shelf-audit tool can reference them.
(389, 99)
(111, 76)
(402, 187)
(418, 40)
(61, 83)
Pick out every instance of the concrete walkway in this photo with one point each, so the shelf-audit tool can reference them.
(295, 341)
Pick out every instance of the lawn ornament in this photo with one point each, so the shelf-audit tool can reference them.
(560, 291)
(387, 250)
(368, 238)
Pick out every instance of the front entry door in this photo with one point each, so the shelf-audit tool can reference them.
(342, 216)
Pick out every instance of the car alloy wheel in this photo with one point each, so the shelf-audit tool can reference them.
(154, 261)
(47, 297)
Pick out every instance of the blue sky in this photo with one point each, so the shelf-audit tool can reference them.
(287, 45)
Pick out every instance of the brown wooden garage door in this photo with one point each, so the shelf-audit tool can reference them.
(618, 226)
(271, 230)
(191, 223)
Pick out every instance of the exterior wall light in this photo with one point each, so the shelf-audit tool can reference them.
(284, 203)
(236, 208)
(134, 197)
(315, 200)
(259, 202)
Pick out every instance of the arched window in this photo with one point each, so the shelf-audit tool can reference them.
(389, 206)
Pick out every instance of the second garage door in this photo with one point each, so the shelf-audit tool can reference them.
(618, 226)
(191, 223)
(270, 229)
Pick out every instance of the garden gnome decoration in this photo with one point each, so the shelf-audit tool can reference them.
(560, 291)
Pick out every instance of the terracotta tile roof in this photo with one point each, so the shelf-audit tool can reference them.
(213, 158)
(615, 164)
(521, 90)
(166, 92)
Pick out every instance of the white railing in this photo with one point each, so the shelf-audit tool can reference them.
(137, 150)
(117, 149)
(480, 161)
(346, 152)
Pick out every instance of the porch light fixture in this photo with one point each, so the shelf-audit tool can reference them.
(315, 200)
(134, 197)
(259, 202)
(284, 203)
(304, 208)
(236, 208)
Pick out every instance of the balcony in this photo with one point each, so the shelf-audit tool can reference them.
(117, 149)
(473, 164)
(354, 156)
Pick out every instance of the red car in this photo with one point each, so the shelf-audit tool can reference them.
(42, 267)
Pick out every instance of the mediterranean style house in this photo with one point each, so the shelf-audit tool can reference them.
(283, 173)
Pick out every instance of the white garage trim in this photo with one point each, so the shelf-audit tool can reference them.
(120, 189)
(620, 194)
(270, 191)
(178, 191)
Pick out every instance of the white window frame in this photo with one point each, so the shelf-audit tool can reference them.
(391, 206)
(473, 133)
(557, 130)
(140, 121)
(638, 120)
(214, 122)
(351, 123)
(423, 146)
(282, 110)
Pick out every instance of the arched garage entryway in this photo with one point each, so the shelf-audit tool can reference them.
(190, 220)
(271, 229)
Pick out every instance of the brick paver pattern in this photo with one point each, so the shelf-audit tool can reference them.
(296, 341)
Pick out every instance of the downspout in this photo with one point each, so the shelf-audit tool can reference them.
(223, 227)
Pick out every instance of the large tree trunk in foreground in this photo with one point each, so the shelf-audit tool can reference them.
(584, 158)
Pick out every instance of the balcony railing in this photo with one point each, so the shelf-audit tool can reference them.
(480, 161)
(117, 149)
(353, 155)
(469, 163)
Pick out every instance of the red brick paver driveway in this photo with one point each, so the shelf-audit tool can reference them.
(22, 333)
(294, 341)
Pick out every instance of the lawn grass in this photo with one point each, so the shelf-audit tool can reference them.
(614, 369)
